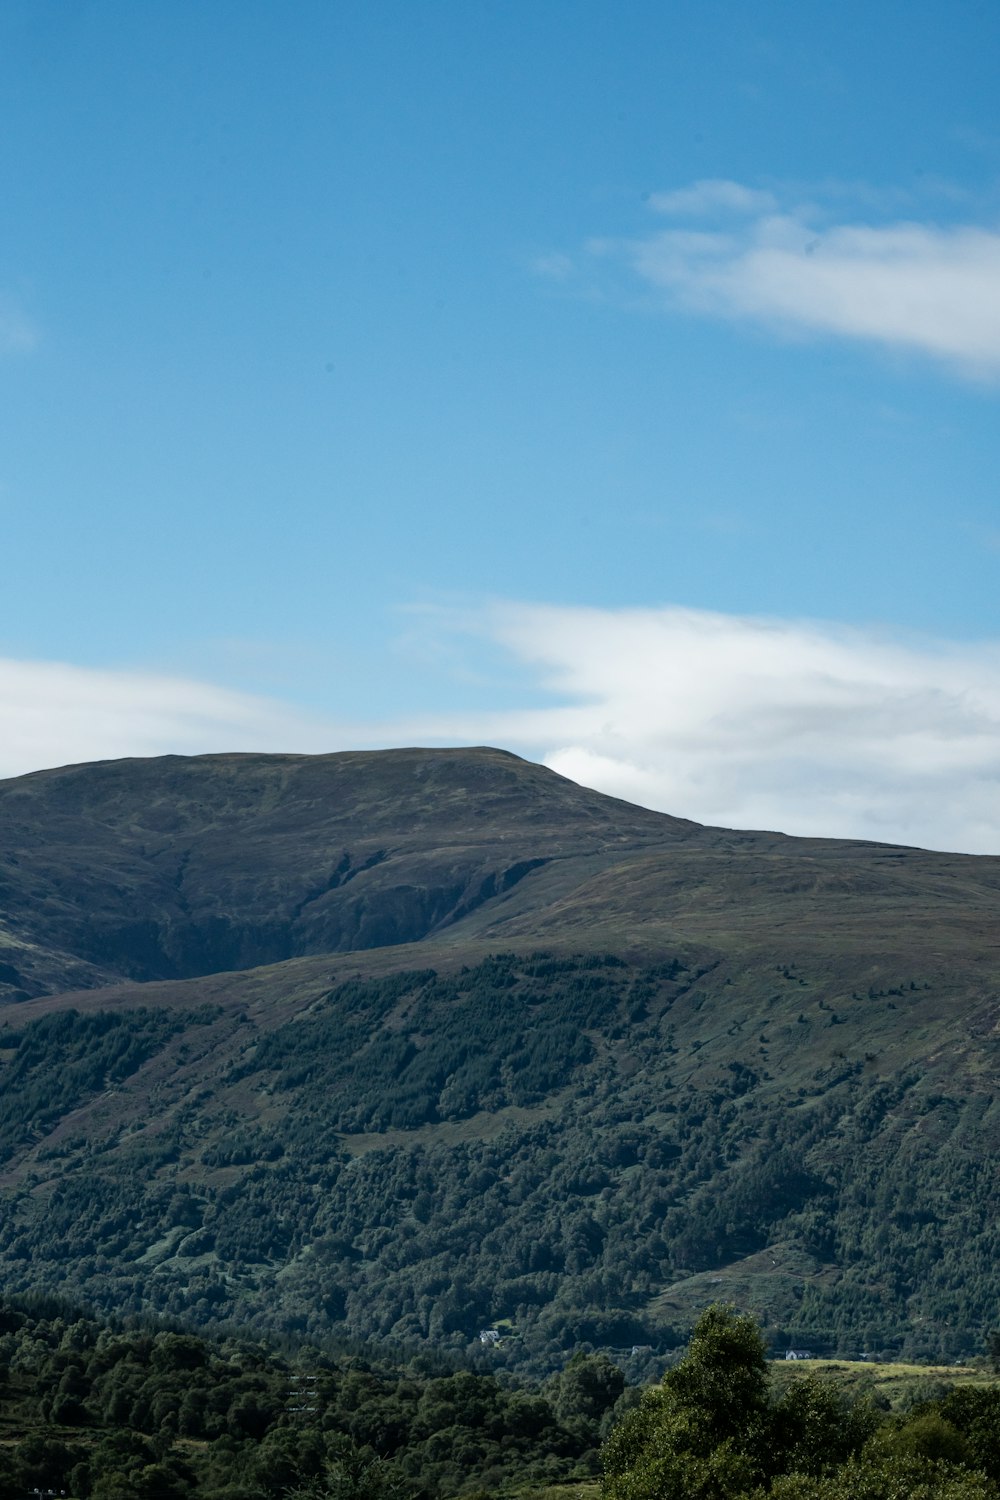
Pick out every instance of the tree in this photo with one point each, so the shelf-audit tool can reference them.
(588, 1387)
(723, 1376)
(975, 1411)
(701, 1435)
(814, 1428)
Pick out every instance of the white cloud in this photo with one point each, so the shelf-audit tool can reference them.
(905, 285)
(56, 714)
(809, 728)
(755, 723)
(713, 195)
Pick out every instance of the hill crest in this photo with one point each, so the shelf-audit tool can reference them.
(178, 866)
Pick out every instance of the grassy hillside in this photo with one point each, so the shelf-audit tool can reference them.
(588, 1149)
(165, 868)
(630, 1067)
(896, 1384)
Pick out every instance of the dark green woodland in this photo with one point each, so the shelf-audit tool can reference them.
(142, 1411)
(149, 1413)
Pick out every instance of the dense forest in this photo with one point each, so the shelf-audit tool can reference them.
(145, 1411)
(571, 1150)
(148, 1413)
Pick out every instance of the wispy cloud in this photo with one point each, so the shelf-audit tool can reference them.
(18, 335)
(54, 713)
(554, 267)
(905, 285)
(713, 195)
(748, 722)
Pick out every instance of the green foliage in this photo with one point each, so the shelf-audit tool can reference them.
(887, 1479)
(702, 1433)
(510, 1041)
(713, 1432)
(61, 1059)
(722, 1378)
(534, 1138)
(976, 1415)
(161, 1415)
(587, 1388)
(814, 1427)
(926, 1435)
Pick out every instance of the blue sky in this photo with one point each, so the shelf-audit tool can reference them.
(375, 371)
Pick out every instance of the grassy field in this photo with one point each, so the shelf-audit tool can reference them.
(900, 1384)
(585, 1490)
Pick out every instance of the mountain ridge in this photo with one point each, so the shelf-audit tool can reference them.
(177, 866)
(135, 868)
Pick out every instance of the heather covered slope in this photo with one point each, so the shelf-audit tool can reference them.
(665, 1065)
(166, 868)
(178, 867)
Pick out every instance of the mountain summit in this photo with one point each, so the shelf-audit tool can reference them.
(173, 867)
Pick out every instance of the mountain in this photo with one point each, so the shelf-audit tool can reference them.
(176, 867)
(414, 1043)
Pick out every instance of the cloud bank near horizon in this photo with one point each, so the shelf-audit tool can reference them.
(56, 714)
(806, 727)
(735, 252)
